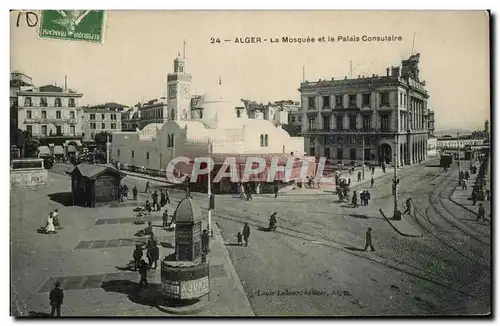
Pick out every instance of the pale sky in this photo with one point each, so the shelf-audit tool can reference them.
(140, 46)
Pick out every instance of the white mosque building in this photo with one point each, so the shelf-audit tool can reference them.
(219, 118)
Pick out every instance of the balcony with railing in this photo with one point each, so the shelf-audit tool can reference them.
(50, 120)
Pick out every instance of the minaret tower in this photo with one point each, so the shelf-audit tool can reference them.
(179, 89)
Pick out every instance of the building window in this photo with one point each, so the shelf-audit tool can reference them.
(72, 130)
(293, 118)
(300, 118)
(103, 126)
(170, 140)
(103, 117)
(352, 101)
(352, 154)
(72, 114)
(132, 154)
(339, 101)
(92, 125)
(326, 123)
(340, 122)
(367, 154)
(29, 129)
(43, 101)
(57, 102)
(352, 122)
(384, 99)
(326, 102)
(72, 102)
(401, 99)
(238, 114)
(58, 114)
(118, 153)
(58, 130)
(312, 103)
(266, 141)
(113, 126)
(261, 140)
(28, 114)
(44, 130)
(147, 156)
(340, 153)
(27, 101)
(312, 123)
(92, 116)
(384, 122)
(367, 99)
(367, 122)
(44, 114)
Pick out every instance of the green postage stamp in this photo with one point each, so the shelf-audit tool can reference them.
(73, 25)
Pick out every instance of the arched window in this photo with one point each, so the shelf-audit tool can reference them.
(266, 141)
(173, 140)
(261, 140)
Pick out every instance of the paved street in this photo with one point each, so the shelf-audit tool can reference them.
(317, 247)
(313, 263)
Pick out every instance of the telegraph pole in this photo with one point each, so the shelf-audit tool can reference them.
(107, 148)
(363, 157)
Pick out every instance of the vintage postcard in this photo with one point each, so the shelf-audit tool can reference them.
(250, 163)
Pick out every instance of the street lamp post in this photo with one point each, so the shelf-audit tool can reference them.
(209, 190)
(363, 156)
(395, 181)
(107, 148)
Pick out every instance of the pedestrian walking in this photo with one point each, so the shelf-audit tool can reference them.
(147, 187)
(480, 213)
(56, 297)
(49, 225)
(359, 176)
(153, 254)
(354, 200)
(165, 218)
(137, 256)
(134, 192)
(143, 271)
(246, 233)
(162, 198)
(154, 196)
(188, 187)
(373, 170)
(240, 238)
(276, 189)
(408, 206)
(167, 196)
(372, 182)
(464, 185)
(467, 175)
(474, 197)
(368, 197)
(147, 206)
(368, 240)
(383, 167)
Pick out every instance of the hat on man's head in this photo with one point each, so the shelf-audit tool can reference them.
(369, 228)
(58, 284)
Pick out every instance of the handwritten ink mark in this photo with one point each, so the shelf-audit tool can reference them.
(29, 16)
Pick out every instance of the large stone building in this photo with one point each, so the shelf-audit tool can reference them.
(191, 125)
(386, 113)
(100, 119)
(430, 123)
(153, 111)
(50, 113)
(131, 118)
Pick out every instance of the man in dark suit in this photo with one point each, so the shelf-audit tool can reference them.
(56, 299)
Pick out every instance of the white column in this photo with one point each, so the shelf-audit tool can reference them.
(345, 101)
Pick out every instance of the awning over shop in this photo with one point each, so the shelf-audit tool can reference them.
(71, 148)
(44, 151)
(58, 150)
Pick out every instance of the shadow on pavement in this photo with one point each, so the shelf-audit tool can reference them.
(131, 289)
(354, 249)
(63, 198)
(358, 216)
(38, 314)
(260, 228)
(233, 245)
(167, 245)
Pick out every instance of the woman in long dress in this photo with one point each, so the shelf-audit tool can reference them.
(49, 227)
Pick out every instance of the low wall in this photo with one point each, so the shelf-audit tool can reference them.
(28, 177)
